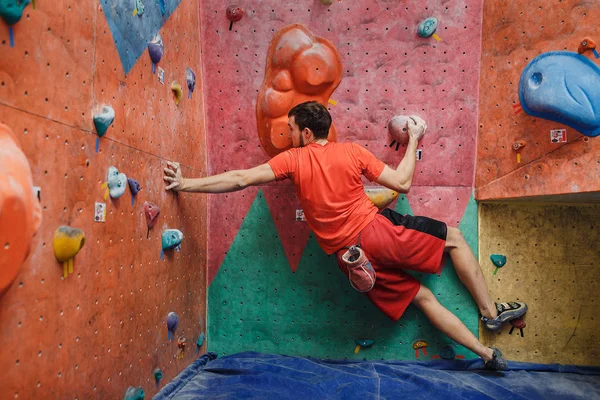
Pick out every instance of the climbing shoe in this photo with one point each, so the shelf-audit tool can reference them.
(497, 363)
(506, 312)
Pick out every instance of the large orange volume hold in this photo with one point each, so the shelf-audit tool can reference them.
(20, 211)
(300, 67)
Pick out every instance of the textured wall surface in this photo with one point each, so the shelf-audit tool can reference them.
(514, 33)
(103, 328)
(552, 264)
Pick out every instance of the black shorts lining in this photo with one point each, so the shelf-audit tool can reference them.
(426, 225)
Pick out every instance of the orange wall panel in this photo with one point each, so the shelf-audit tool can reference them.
(514, 33)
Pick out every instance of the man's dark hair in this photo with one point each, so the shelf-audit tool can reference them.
(314, 116)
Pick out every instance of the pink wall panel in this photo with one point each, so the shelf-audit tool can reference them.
(388, 70)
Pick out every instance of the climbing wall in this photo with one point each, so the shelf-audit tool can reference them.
(387, 70)
(514, 33)
(552, 264)
(314, 312)
(103, 328)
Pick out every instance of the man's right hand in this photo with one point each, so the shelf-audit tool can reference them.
(173, 177)
(416, 128)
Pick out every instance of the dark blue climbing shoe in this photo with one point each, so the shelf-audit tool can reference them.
(497, 363)
(506, 312)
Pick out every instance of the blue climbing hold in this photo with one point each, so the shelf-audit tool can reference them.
(448, 353)
(200, 342)
(564, 87)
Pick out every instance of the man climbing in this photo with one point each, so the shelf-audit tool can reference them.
(327, 176)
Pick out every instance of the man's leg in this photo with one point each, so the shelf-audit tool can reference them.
(449, 324)
(468, 270)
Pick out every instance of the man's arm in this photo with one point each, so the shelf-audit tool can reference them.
(400, 179)
(230, 181)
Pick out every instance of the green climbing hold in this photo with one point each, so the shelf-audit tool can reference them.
(12, 10)
(134, 393)
(498, 260)
(427, 27)
(103, 119)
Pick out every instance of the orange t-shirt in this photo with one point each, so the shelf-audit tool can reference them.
(329, 185)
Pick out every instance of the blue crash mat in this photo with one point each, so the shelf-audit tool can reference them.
(251, 375)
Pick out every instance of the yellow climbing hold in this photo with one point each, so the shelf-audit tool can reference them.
(380, 196)
(177, 91)
(436, 37)
(67, 243)
(333, 102)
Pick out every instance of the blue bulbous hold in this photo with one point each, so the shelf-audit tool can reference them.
(427, 27)
(563, 87)
(156, 48)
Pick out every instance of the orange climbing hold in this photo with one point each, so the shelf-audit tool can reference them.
(300, 67)
(20, 211)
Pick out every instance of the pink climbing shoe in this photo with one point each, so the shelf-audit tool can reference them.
(360, 272)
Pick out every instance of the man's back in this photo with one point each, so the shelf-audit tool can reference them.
(328, 180)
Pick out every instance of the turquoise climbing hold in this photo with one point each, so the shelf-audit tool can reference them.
(364, 342)
(12, 10)
(103, 119)
(134, 393)
(427, 27)
(158, 375)
(200, 341)
(171, 238)
(498, 260)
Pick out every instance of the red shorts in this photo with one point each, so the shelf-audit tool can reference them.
(394, 242)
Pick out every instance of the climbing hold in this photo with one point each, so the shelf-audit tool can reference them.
(156, 48)
(12, 11)
(162, 6)
(102, 120)
(115, 185)
(588, 44)
(172, 322)
(191, 81)
(326, 2)
(135, 187)
(200, 342)
(300, 66)
(362, 343)
(138, 8)
(20, 210)
(399, 125)
(498, 260)
(171, 239)
(563, 87)
(151, 211)
(448, 352)
(381, 197)
(517, 147)
(158, 375)
(420, 344)
(177, 91)
(181, 341)
(427, 28)
(234, 14)
(517, 323)
(134, 393)
(67, 243)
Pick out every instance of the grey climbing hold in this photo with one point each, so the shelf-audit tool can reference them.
(117, 183)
